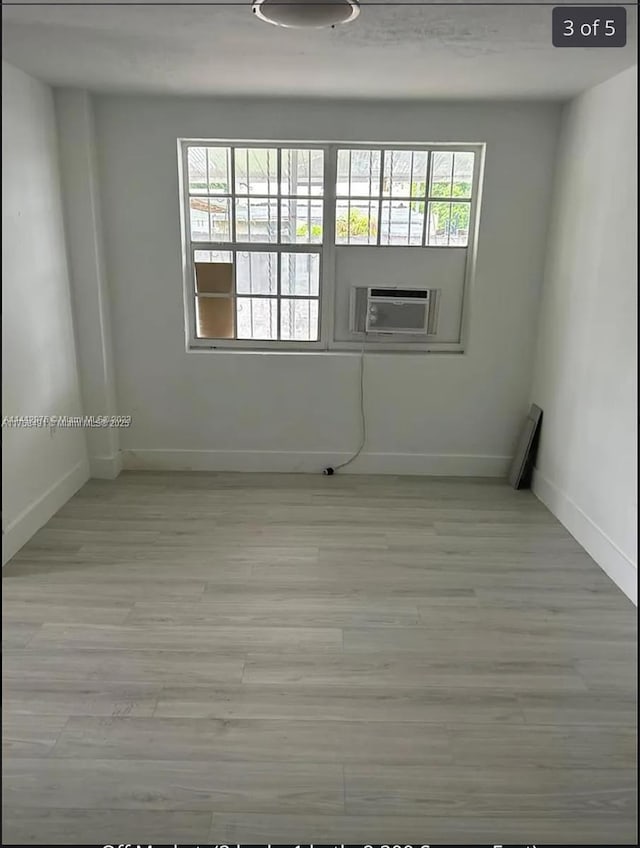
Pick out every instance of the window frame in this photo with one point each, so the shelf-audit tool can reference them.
(326, 248)
(380, 198)
(250, 247)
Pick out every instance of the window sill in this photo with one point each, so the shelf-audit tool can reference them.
(354, 350)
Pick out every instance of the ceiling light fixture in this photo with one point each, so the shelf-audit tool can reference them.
(306, 14)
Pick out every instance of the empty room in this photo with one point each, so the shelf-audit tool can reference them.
(319, 425)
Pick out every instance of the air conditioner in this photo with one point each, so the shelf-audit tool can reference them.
(391, 311)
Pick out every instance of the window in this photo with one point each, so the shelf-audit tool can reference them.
(266, 226)
(404, 197)
(255, 218)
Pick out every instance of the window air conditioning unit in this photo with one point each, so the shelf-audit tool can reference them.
(392, 311)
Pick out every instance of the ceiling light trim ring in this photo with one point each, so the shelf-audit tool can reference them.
(306, 14)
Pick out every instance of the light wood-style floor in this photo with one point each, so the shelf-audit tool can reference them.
(287, 658)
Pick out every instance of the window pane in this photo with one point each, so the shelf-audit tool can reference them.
(301, 221)
(256, 273)
(220, 218)
(300, 273)
(218, 168)
(210, 219)
(214, 277)
(459, 224)
(358, 173)
(401, 222)
(419, 173)
(214, 317)
(302, 172)
(441, 173)
(342, 176)
(405, 173)
(257, 318)
(256, 219)
(197, 167)
(356, 222)
(212, 256)
(462, 174)
(199, 208)
(208, 170)
(256, 170)
(299, 320)
(449, 224)
(438, 225)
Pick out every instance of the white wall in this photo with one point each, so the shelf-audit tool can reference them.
(586, 364)
(89, 285)
(40, 471)
(449, 414)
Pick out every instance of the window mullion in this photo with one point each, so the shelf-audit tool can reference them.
(425, 221)
(410, 207)
(450, 199)
(258, 296)
(327, 272)
(258, 246)
(232, 189)
(383, 154)
(349, 197)
(232, 233)
(279, 240)
(189, 270)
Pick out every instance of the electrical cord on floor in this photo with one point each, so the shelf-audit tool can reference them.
(363, 421)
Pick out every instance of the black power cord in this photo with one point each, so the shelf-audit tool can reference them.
(331, 469)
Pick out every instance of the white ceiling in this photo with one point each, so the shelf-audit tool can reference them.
(393, 50)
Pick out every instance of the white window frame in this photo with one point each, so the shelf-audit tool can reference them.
(325, 249)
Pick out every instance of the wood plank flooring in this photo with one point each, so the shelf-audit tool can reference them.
(294, 658)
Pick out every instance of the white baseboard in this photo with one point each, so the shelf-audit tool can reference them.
(18, 532)
(594, 540)
(445, 465)
(105, 467)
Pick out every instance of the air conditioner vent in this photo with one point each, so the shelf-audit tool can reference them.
(403, 294)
